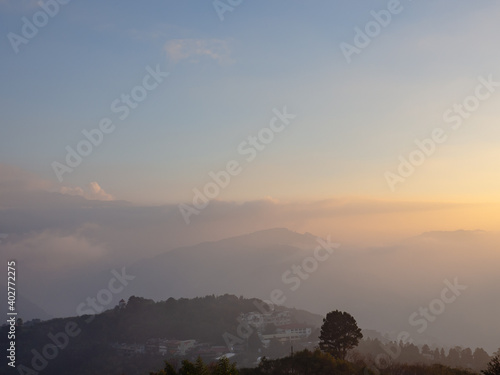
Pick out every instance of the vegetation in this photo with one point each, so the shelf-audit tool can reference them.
(493, 366)
(383, 353)
(90, 351)
(305, 363)
(343, 351)
(320, 363)
(339, 334)
(222, 367)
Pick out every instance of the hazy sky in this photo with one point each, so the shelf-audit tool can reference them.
(353, 120)
(371, 122)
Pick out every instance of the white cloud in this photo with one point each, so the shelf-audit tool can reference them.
(94, 192)
(193, 49)
(17, 180)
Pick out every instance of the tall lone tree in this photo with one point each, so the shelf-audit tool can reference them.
(339, 333)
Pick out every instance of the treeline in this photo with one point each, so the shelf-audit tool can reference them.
(222, 367)
(386, 353)
(304, 363)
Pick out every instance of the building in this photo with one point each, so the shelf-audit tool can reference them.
(298, 331)
(260, 321)
(128, 350)
(166, 347)
(290, 332)
(122, 304)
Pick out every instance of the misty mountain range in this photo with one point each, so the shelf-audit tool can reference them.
(379, 286)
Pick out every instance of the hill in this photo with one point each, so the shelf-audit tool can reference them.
(382, 287)
(136, 336)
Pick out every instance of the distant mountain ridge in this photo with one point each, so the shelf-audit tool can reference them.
(381, 286)
(237, 265)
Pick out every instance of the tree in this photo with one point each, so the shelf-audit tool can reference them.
(168, 370)
(466, 358)
(437, 356)
(409, 354)
(224, 367)
(200, 367)
(187, 368)
(339, 333)
(307, 362)
(481, 358)
(493, 367)
(453, 358)
(442, 355)
(426, 349)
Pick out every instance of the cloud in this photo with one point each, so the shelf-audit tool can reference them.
(95, 192)
(66, 245)
(194, 49)
(125, 227)
(52, 251)
(16, 179)
(53, 265)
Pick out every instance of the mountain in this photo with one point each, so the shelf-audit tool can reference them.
(382, 287)
(240, 265)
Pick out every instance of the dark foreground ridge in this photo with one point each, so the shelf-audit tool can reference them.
(225, 332)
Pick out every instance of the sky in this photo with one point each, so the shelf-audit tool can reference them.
(131, 129)
(355, 114)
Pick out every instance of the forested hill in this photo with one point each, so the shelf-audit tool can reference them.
(91, 344)
(138, 335)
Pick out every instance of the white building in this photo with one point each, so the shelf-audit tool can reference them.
(290, 332)
(259, 320)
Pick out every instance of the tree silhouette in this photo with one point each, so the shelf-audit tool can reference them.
(453, 358)
(224, 367)
(339, 333)
(466, 358)
(493, 367)
(168, 370)
(481, 358)
(187, 368)
(200, 367)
